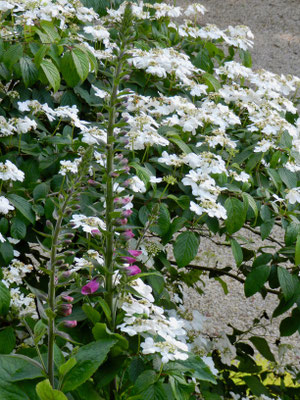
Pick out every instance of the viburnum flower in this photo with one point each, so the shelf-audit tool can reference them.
(90, 288)
(10, 171)
(88, 224)
(5, 206)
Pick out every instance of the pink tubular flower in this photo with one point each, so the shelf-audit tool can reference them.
(133, 270)
(69, 299)
(128, 234)
(135, 253)
(126, 213)
(90, 288)
(70, 324)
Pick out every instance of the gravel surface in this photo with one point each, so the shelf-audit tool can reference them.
(276, 28)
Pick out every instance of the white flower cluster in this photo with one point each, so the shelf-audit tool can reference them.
(16, 125)
(13, 277)
(67, 166)
(86, 261)
(27, 12)
(88, 224)
(239, 36)
(5, 206)
(8, 171)
(145, 318)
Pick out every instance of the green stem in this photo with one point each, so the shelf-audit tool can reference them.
(109, 192)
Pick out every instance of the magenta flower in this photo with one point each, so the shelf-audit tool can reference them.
(90, 288)
(128, 234)
(135, 253)
(70, 324)
(133, 270)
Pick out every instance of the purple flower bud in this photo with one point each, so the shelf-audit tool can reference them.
(126, 169)
(122, 221)
(119, 156)
(70, 324)
(133, 270)
(65, 309)
(126, 183)
(66, 274)
(124, 161)
(128, 234)
(135, 253)
(90, 288)
(69, 299)
(114, 174)
(126, 213)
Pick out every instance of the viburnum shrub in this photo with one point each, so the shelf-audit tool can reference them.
(126, 137)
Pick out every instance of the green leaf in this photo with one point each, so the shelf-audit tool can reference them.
(91, 313)
(200, 370)
(23, 206)
(18, 228)
(163, 221)
(6, 252)
(67, 366)
(13, 55)
(89, 358)
(297, 251)
(266, 228)
(235, 215)
(144, 380)
(68, 70)
(252, 203)
(46, 392)
(81, 62)
(181, 144)
(237, 252)
(288, 177)
(255, 385)
(256, 279)
(212, 83)
(154, 392)
(105, 308)
(185, 248)
(289, 326)
(40, 191)
(39, 331)
(51, 73)
(100, 332)
(40, 54)
(29, 71)
(7, 340)
(287, 282)
(262, 346)
(50, 30)
(4, 225)
(4, 299)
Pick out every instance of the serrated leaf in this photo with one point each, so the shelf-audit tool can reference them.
(13, 55)
(7, 340)
(251, 202)
(185, 248)
(46, 392)
(255, 385)
(235, 215)
(181, 144)
(40, 54)
(7, 252)
(262, 346)
(297, 251)
(91, 313)
(51, 73)
(287, 282)
(89, 358)
(266, 228)
(81, 63)
(237, 252)
(23, 206)
(29, 71)
(144, 380)
(40, 191)
(212, 83)
(289, 326)
(4, 299)
(256, 279)
(18, 228)
(68, 70)
(288, 177)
